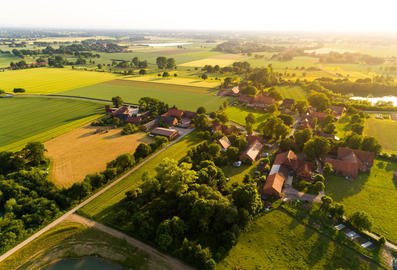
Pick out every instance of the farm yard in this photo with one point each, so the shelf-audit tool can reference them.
(278, 241)
(50, 80)
(374, 193)
(385, 131)
(86, 150)
(184, 97)
(24, 119)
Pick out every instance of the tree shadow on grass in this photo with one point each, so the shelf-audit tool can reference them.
(319, 249)
(339, 188)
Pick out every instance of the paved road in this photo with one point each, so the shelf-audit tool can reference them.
(95, 195)
(170, 261)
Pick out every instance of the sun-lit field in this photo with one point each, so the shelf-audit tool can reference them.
(84, 151)
(50, 80)
(385, 131)
(188, 81)
(278, 241)
(184, 97)
(28, 119)
(6, 59)
(238, 115)
(221, 60)
(375, 194)
(296, 92)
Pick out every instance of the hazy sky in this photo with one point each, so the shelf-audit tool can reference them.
(255, 15)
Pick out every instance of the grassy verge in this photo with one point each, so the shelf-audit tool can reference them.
(75, 240)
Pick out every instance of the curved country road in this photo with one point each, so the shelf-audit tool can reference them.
(88, 200)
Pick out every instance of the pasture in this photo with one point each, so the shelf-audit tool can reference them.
(184, 97)
(71, 239)
(50, 80)
(84, 151)
(102, 207)
(385, 131)
(278, 241)
(238, 115)
(294, 92)
(374, 193)
(6, 59)
(24, 118)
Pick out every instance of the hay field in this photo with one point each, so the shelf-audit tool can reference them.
(81, 152)
(50, 80)
(188, 81)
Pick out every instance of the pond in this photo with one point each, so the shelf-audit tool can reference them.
(374, 100)
(84, 263)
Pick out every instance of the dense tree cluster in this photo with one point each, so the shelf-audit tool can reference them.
(164, 62)
(350, 58)
(236, 46)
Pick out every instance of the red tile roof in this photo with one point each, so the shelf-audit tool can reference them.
(252, 151)
(274, 185)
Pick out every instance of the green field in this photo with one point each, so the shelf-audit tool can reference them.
(6, 59)
(101, 207)
(25, 119)
(50, 80)
(278, 241)
(184, 97)
(375, 193)
(70, 239)
(294, 92)
(238, 114)
(385, 131)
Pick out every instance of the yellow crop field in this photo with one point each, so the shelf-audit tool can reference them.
(188, 81)
(221, 60)
(84, 151)
(50, 80)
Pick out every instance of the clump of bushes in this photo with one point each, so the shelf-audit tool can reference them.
(129, 129)
(19, 90)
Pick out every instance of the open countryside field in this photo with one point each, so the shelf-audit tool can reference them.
(101, 207)
(375, 194)
(385, 131)
(5, 60)
(184, 97)
(50, 80)
(221, 60)
(22, 117)
(278, 241)
(188, 81)
(70, 239)
(84, 151)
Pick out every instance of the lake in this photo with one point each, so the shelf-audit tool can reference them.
(374, 100)
(84, 263)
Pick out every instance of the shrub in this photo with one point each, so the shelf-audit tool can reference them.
(129, 129)
(19, 90)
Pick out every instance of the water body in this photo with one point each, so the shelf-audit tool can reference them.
(84, 263)
(167, 44)
(374, 100)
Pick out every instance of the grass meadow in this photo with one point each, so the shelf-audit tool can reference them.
(23, 118)
(385, 131)
(278, 241)
(238, 115)
(294, 92)
(50, 80)
(374, 193)
(184, 97)
(102, 207)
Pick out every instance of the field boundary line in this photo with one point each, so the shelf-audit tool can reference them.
(86, 201)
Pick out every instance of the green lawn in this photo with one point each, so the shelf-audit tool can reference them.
(236, 174)
(101, 207)
(184, 97)
(35, 118)
(375, 194)
(343, 126)
(294, 92)
(278, 241)
(50, 80)
(385, 131)
(238, 114)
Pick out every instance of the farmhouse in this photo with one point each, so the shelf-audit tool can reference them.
(311, 117)
(175, 117)
(226, 130)
(166, 132)
(252, 151)
(261, 101)
(127, 114)
(229, 92)
(283, 165)
(225, 143)
(287, 105)
(338, 111)
(349, 162)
